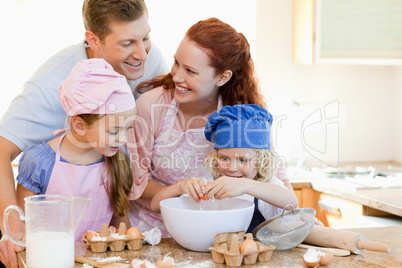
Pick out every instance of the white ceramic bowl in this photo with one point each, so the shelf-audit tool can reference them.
(194, 226)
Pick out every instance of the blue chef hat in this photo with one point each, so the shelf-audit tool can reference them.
(240, 126)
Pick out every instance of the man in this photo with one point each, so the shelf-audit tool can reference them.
(116, 30)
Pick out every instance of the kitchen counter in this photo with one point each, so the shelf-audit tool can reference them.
(384, 199)
(282, 258)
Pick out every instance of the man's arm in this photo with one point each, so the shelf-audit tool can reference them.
(8, 152)
(8, 196)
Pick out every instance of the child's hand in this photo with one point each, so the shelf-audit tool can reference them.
(224, 187)
(318, 222)
(194, 187)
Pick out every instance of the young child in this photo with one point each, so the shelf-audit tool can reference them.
(242, 162)
(88, 160)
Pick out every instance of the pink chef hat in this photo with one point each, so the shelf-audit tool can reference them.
(93, 87)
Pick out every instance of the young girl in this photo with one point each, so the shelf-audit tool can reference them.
(242, 162)
(88, 160)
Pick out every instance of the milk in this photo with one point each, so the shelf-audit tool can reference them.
(50, 250)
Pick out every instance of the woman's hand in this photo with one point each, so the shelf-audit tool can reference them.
(225, 187)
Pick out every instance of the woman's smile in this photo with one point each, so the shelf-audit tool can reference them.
(182, 89)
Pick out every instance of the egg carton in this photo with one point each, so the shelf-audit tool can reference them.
(114, 244)
(226, 250)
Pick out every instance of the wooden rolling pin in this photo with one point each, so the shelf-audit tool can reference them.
(335, 238)
(98, 264)
(334, 251)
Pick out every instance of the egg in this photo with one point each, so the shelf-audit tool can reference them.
(248, 245)
(311, 264)
(113, 230)
(326, 257)
(165, 262)
(137, 263)
(89, 234)
(311, 258)
(134, 232)
(204, 197)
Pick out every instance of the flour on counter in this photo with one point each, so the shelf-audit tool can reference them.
(188, 263)
(110, 259)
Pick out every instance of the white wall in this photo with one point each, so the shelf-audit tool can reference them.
(369, 97)
(398, 119)
(171, 19)
(32, 31)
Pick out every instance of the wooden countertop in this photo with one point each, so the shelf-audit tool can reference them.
(384, 199)
(283, 258)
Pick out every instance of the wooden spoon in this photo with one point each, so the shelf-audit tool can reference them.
(101, 264)
(334, 251)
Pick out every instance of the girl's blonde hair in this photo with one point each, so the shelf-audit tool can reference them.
(265, 164)
(120, 171)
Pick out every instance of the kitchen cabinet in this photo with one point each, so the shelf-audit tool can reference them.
(331, 211)
(308, 198)
(338, 212)
(347, 32)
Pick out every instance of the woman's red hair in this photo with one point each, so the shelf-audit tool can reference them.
(227, 49)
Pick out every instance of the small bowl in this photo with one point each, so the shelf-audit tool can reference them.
(194, 226)
(286, 230)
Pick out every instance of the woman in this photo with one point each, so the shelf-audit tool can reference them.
(212, 68)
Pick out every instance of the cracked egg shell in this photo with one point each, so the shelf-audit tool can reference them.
(312, 257)
(137, 263)
(165, 262)
(204, 197)
(113, 230)
(89, 234)
(326, 258)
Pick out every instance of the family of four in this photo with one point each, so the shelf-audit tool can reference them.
(129, 134)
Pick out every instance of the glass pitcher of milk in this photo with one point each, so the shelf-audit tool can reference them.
(50, 222)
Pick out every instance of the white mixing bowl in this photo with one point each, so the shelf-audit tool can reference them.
(194, 226)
